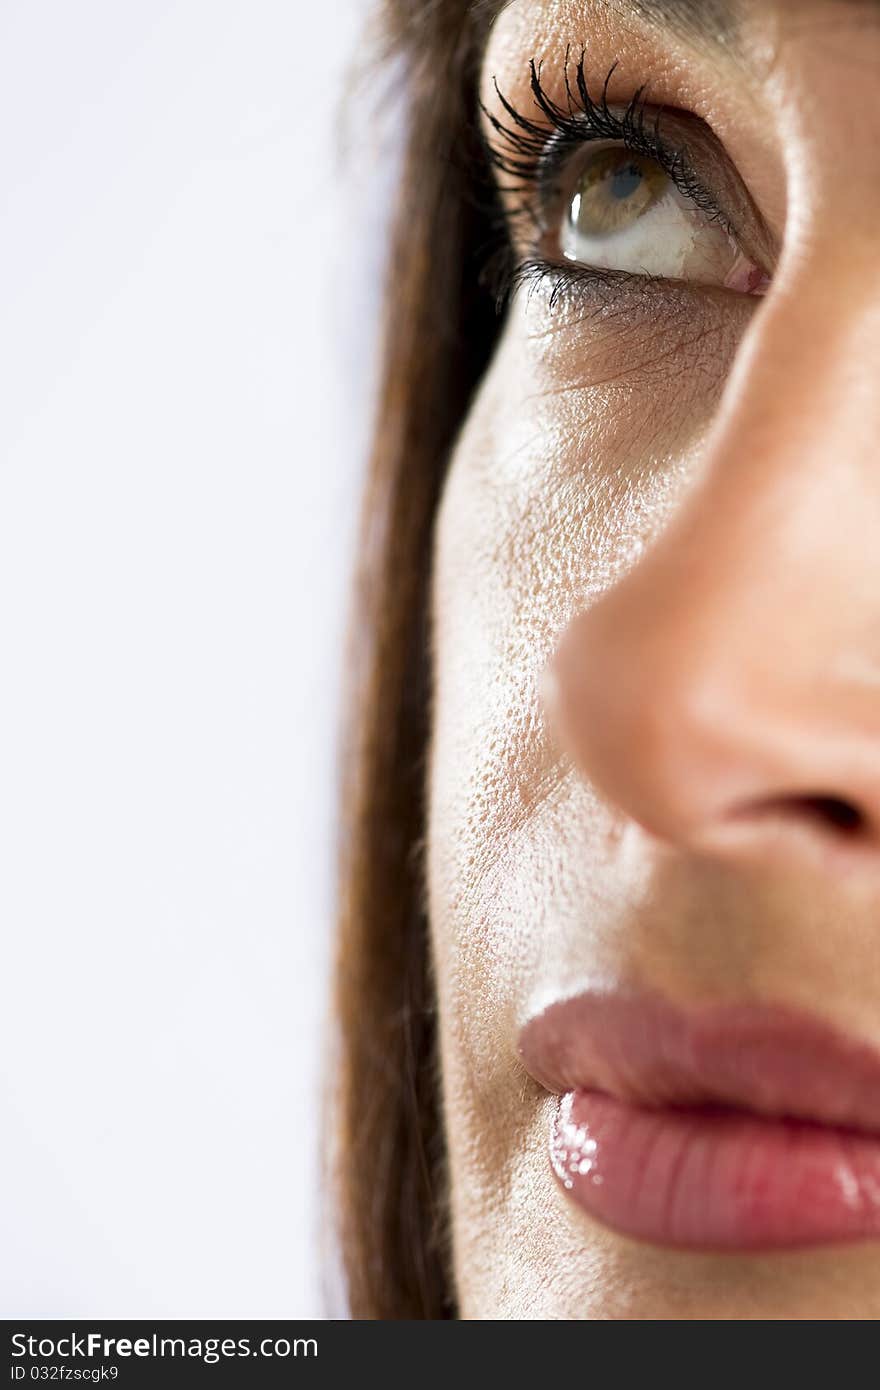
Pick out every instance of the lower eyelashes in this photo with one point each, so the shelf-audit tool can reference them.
(577, 328)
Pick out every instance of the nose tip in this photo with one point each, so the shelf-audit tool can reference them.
(706, 733)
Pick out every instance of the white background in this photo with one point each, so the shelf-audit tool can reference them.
(187, 286)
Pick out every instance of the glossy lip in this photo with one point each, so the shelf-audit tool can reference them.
(737, 1127)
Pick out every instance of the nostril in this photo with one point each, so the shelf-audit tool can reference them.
(831, 813)
(834, 812)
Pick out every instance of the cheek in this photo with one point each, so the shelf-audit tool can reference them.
(573, 457)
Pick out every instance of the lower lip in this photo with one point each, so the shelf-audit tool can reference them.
(723, 1180)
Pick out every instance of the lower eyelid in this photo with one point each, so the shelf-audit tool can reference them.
(595, 293)
(582, 297)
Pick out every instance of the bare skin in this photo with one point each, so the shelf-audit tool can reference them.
(657, 649)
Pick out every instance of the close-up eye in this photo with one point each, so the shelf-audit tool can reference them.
(631, 189)
(620, 210)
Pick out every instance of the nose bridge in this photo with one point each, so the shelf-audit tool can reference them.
(786, 514)
(787, 511)
(739, 662)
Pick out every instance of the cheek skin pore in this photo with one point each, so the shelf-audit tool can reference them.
(547, 502)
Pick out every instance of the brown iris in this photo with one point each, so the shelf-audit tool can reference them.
(615, 189)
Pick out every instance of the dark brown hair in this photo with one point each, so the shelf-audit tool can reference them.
(440, 326)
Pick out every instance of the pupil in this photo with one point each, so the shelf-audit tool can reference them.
(626, 181)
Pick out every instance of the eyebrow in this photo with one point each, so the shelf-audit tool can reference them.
(705, 22)
(713, 20)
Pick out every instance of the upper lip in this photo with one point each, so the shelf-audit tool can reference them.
(644, 1049)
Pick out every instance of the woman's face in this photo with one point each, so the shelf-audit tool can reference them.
(654, 849)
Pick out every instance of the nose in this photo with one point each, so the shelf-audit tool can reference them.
(727, 690)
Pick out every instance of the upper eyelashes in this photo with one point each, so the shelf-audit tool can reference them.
(531, 152)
